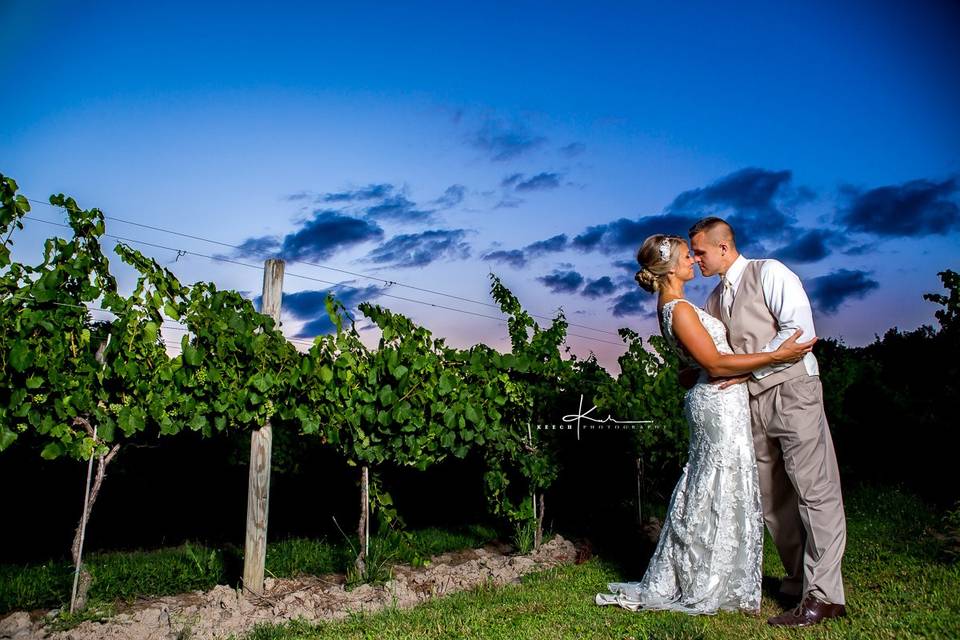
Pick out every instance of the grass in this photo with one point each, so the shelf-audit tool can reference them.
(123, 576)
(902, 581)
(899, 582)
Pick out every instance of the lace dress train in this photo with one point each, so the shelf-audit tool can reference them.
(711, 544)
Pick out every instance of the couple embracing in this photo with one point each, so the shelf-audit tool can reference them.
(760, 447)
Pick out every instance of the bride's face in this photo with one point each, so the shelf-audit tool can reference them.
(684, 269)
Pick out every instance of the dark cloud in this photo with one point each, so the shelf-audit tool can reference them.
(319, 326)
(562, 281)
(550, 245)
(511, 180)
(573, 149)
(756, 202)
(302, 304)
(451, 197)
(420, 249)
(599, 288)
(398, 208)
(518, 258)
(328, 232)
(353, 219)
(915, 208)
(310, 306)
(382, 202)
(589, 239)
(630, 266)
(633, 303)
(540, 182)
(295, 197)
(861, 249)
(259, 247)
(503, 141)
(318, 239)
(370, 192)
(828, 292)
(515, 257)
(747, 189)
(616, 236)
(809, 246)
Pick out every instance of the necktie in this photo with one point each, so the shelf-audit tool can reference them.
(726, 298)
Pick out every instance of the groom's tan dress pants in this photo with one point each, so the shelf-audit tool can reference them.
(800, 486)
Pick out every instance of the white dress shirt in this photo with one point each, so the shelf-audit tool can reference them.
(783, 292)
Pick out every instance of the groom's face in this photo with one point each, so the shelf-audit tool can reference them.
(707, 254)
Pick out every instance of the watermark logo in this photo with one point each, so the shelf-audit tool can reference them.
(576, 419)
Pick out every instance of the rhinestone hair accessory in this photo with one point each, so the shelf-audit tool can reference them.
(664, 249)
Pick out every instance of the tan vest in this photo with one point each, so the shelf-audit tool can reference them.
(752, 325)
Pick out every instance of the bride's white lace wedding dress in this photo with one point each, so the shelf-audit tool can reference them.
(710, 548)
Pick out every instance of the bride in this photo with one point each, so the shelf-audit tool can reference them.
(711, 544)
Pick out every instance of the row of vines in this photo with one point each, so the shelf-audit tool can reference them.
(83, 388)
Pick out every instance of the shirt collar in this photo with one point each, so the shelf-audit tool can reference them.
(736, 270)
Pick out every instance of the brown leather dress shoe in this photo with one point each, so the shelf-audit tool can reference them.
(811, 611)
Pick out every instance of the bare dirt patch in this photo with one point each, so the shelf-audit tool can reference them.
(207, 615)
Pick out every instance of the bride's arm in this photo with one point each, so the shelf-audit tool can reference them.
(694, 337)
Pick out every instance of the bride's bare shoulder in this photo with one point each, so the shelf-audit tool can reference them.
(685, 314)
(672, 304)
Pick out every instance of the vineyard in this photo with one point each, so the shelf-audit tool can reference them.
(86, 389)
(90, 378)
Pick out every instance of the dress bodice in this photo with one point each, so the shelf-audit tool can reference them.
(714, 327)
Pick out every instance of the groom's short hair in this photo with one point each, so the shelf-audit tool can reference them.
(706, 225)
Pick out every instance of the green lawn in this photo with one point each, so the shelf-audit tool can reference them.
(899, 585)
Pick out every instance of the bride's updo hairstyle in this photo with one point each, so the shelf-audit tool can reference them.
(657, 259)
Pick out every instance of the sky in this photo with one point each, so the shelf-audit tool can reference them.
(405, 151)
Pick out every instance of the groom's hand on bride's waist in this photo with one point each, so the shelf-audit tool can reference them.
(723, 383)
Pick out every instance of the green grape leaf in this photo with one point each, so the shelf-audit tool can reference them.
(191, 355)
(7, 438)
(21, 357)
(52, 451)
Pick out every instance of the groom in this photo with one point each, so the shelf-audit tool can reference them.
(762, 302)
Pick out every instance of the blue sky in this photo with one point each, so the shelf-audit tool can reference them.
(432, 143)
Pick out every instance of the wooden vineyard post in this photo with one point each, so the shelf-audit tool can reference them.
(538, 536)
(261, 446)
(363, 529)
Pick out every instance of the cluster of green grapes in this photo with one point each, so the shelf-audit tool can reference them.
(514, 391)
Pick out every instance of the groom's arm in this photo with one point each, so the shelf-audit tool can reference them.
(783, 292)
